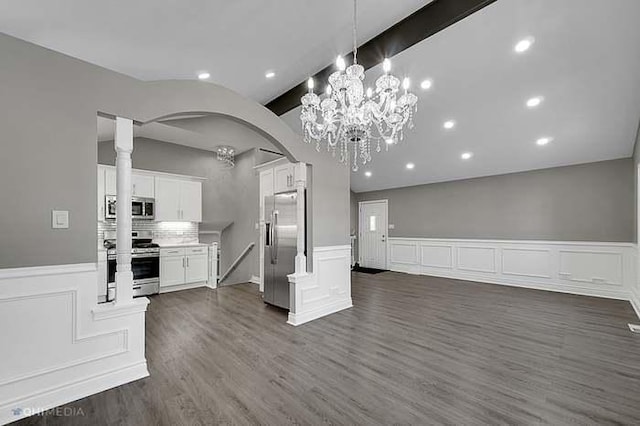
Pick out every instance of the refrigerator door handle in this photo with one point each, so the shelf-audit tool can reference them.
(274, 233)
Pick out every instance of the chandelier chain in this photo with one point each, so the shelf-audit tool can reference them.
(355, 34)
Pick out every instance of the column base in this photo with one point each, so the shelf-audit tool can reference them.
(124, 287)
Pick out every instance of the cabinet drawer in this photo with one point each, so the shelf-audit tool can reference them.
(170, 252)
(196, 250)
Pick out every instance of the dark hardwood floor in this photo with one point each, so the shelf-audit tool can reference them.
(412, 350)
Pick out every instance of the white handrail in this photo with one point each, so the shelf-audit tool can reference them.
(236, 262)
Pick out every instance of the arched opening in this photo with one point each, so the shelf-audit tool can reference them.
(182, 146)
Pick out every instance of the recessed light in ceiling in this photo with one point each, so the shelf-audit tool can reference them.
(367, 174)
(544, 141)
(449, 124)
(204, 75)
(523, 45)
(426, 84)
(466, 155)
(534, 102)
(410, 166)
(270, 74)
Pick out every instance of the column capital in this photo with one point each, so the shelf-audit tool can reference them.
(124, 135)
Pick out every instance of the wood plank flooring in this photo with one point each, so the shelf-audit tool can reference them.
(412, 350)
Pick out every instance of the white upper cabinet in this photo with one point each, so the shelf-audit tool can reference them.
(178, 200)
(167, 200)
(142, 186)
(284, 178)
(110, 181)
(191, 201)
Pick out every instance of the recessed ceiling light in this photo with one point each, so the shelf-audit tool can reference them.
(367, 174)
(270, 74)
(204, 75)
(523, 45)
(410, 166)
(534, 102)
(544, 141)
(466, 155)
(449, 124)
(426, 84)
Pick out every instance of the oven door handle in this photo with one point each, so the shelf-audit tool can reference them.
(144, 255)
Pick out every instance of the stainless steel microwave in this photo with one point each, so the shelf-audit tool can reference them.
(141, 208)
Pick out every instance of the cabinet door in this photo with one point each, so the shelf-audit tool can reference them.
(167, 200)
(283, 178)
(101, 200)
(197, 268)
(191, 201)
(142, 186)
(172, 271)
(110, 181)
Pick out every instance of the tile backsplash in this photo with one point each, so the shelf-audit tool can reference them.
(163, 232)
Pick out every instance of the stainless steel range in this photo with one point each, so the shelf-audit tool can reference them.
(145, 264)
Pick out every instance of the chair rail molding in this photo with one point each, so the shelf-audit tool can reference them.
(601, 269)
(324, 291)
(89, 348)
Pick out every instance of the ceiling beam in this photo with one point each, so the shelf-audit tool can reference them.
(425, 22)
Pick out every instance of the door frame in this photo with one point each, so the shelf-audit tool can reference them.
(386, 228)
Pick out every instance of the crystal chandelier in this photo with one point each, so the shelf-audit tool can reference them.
(226, 154)
(349, 119)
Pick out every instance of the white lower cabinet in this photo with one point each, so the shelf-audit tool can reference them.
(171, 270)
(180, 266)
(197, 268)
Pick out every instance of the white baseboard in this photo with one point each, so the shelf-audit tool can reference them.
(255, 280)
(332, 308)
(599, 269)
(72, 391)
(184, 287)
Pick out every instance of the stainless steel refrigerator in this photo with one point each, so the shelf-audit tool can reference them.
(280, 246)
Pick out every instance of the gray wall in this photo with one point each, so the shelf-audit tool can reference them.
(636, 165)
(228, 195)
(587, 202)
(48, 105)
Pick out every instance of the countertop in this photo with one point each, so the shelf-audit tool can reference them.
(177, 245)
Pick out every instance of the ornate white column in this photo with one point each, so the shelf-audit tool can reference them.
(124, 148)
(301, 181)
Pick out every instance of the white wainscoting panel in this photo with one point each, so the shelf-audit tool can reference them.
(58, 344)
(324, 291)
(588, 268)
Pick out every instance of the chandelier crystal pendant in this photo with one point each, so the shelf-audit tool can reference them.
(349, 119)
(226, 154)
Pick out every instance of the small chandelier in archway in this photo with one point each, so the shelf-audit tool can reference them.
(226, 154)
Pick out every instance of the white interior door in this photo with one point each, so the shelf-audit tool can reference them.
(373, 234)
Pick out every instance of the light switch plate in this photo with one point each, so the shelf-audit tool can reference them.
(392, 226)
(60, 219)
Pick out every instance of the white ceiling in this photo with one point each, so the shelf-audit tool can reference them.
(235, 41)
(203, 132)
(585, 62)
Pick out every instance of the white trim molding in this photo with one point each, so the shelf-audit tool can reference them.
(324, 291)
(599, 269)
(59, 345)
